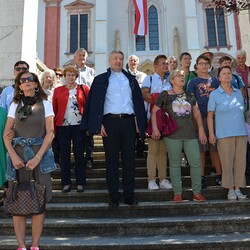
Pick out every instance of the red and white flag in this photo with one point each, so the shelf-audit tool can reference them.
(141, 20)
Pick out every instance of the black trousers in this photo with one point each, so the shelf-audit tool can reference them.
(121, 134)
(66, 135)
(89, 147)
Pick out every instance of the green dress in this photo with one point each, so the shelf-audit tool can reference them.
(3, 117)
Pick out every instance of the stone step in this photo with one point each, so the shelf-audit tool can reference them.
(144, 210)
(169, 225)
(141, 195)
(99, 162)
(140, 182)
(213, 241)
(140, 171)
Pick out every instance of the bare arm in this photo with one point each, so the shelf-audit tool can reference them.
(17, 161)
(146, 95)
(243, 91)
(197, 117)
(49, 128)
(155, 131)
(210, 124)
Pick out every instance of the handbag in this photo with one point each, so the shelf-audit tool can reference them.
(165, 123)
(25, 198)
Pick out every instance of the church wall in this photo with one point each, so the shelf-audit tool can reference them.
(244, 21)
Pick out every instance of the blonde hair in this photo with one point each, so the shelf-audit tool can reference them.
(53, 74)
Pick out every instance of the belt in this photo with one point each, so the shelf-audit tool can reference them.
(119, 115)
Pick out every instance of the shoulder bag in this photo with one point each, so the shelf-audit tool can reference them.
(165, 123)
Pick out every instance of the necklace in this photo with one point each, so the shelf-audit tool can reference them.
(179, 94)
(71, 86)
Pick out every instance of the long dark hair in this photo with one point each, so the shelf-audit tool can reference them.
(18, 97)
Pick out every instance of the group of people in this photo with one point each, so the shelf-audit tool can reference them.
(67, 107)
(36, 115)
(208, 106)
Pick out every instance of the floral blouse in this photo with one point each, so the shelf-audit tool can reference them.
(72, 114)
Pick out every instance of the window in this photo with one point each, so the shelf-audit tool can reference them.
(151, 41)
(153, 28)
(78, 32)
(78, 25)
(216, 30)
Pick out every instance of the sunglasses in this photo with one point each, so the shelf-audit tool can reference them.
(21, 69)
(59, 74)
(29, 79)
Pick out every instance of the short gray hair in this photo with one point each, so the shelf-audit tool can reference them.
(241, 53)
(116, 52)
(173, 58)
(136, 57)
(81, 50)
(173, 74)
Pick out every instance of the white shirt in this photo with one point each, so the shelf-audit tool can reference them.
(139, 76)
(47, 108)
(118, 98)
(156, 86)
(86, 75)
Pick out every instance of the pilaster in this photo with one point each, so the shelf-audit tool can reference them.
(52, 33)
(101, 53)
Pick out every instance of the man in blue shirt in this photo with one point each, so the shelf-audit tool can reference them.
(8, 93)
(115, 110)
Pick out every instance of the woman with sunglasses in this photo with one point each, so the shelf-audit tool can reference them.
(59, 74)
(31, 116)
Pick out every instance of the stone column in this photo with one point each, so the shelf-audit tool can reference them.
(18, 34)
(101, 53)
(52, 33)
(192, 26)
(29, 34)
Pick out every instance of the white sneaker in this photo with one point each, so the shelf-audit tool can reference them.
(231, 195)
(152, 185)
(165, 184)
(239, 195)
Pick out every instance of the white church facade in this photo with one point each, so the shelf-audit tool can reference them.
(48, 32)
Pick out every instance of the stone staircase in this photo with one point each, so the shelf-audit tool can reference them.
(84, 220)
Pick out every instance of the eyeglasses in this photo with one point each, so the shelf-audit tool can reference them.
(21, 69)
(203, 63)
(59, 74)
(29, 79)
